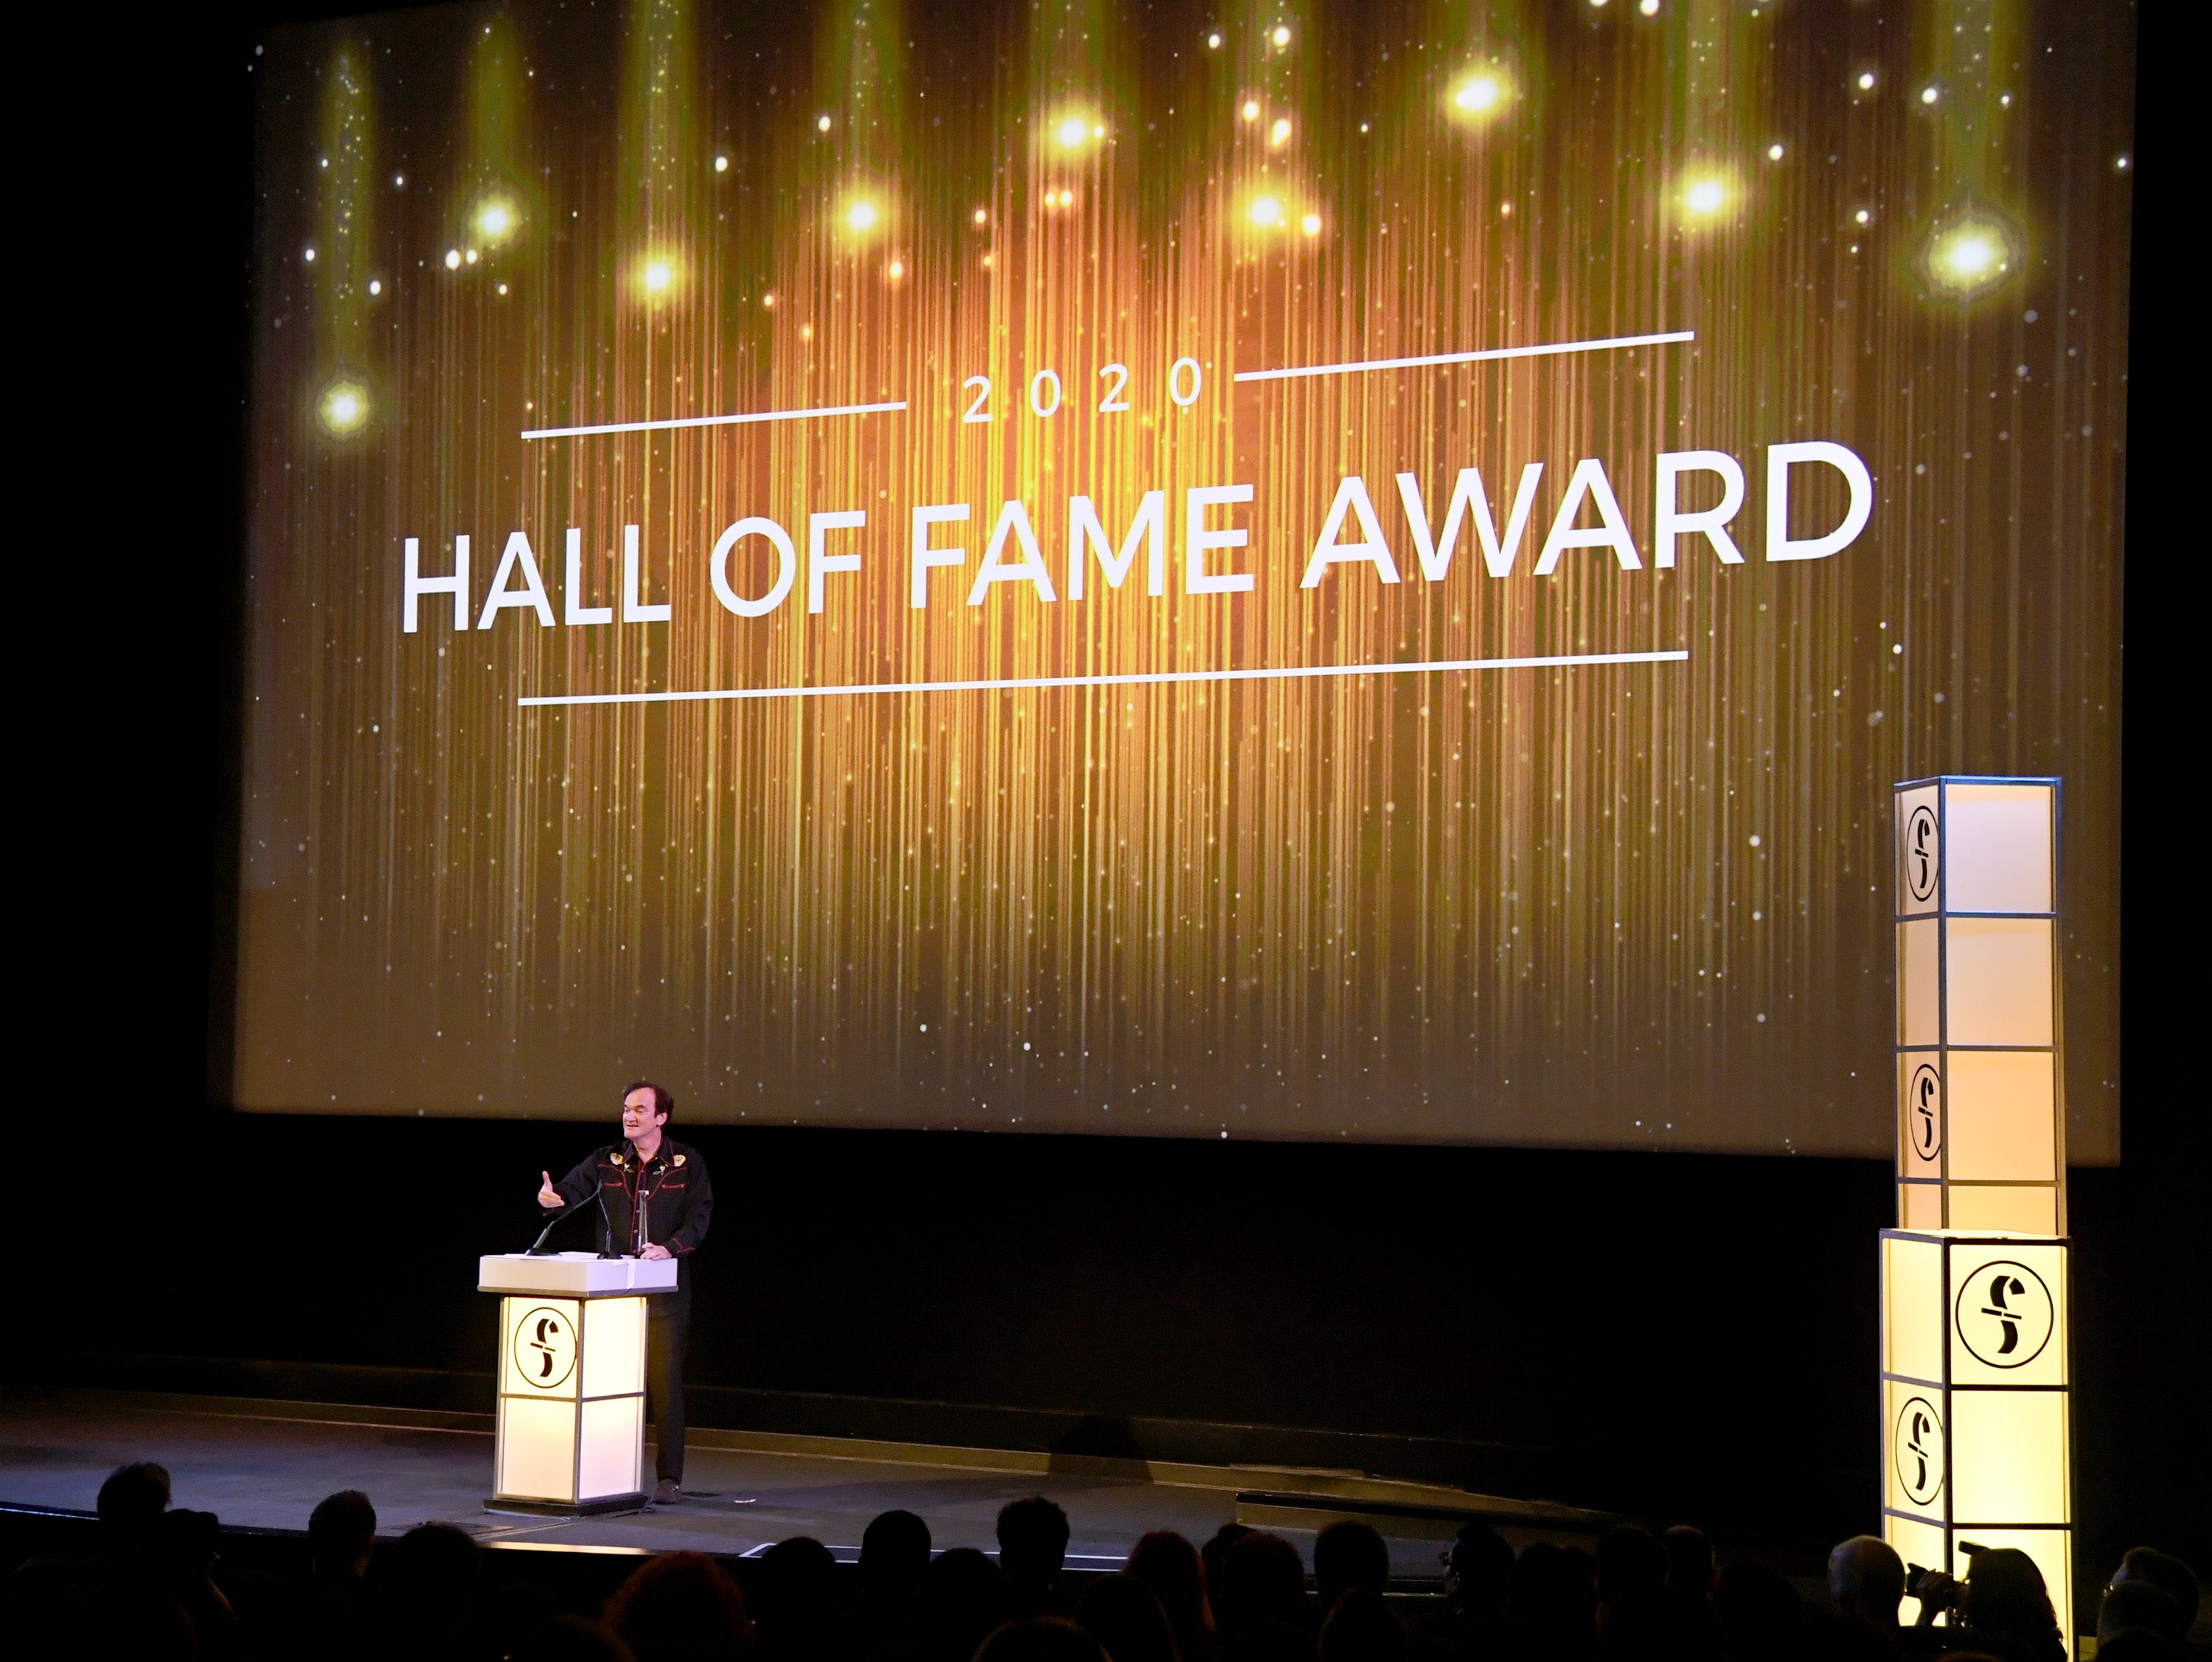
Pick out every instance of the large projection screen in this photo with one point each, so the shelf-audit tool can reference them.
(1321, 571)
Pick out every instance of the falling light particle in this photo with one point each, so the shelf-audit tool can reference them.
(1266, 210)
(721, 164)
(399, 181)
(453, 259)
(1505, 209)
(656, 277)
(502, 288)
(1310, 224)
(768, 300)
(375, 287)
(1928, 94)
(981, 217)
(493, 221)
(1705, 197)
(470, 256)
(1213, 42)
(896, 270)
(2004, 100)
(822, 124)
(1251, 110)
(1279, 133)
(1282, 36)
(987, 260)
(1073, 132)
(807, 332)
(1774, 153)
(1866, 81)
(1862, 217)
(1648, 8)
(861, 216)
(309, 256)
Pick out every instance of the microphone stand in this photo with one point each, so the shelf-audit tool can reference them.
(538, 1249)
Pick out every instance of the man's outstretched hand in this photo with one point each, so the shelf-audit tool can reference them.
(546, 1197)
(656, 1250)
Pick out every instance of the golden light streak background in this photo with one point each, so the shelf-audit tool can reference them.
(1522, 906)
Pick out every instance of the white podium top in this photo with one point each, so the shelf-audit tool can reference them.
(574, 1274)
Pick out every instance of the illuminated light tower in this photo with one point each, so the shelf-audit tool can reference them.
(1970, 254)
(344, 407)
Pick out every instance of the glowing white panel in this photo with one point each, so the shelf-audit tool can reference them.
(1919, 1003)
(537, 1448)
(614, 1347)
(1912, 1308)
(612, 1456)
(1996, 982)
(2002, 1108)
(1999, 841)
(2017, 1209)
(2009, 1458)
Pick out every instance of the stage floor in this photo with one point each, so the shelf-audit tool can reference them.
(265, 1466)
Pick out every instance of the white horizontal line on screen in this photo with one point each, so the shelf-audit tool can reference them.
(709, 421)
(1613, 344)
(1160, 678)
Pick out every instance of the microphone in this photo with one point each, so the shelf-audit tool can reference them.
(538, 1247)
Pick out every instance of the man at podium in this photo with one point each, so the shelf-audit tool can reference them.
(658, 1202)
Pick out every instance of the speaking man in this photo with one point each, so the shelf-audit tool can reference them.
(658, 1204)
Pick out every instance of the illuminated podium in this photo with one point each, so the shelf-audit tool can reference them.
(571, 1379)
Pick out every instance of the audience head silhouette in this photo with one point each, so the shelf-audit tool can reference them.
(1361, 1628)
(1041, 1639)
(1032, 1550)
(340, 1531)
(1121, 1614)
(1349, 1554)
(1866, 1581)
(2169, 1575)
(1263, 1584)
(1167, 1564)
(681, 1607)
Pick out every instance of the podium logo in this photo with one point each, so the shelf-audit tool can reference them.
(1918, 1440)
(1922, 852)
(2004, 1314)
(545, 1348)
(1923, 1110)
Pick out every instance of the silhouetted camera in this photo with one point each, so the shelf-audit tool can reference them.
(1916, 1578)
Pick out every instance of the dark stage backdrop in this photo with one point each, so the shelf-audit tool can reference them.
(1056, 284)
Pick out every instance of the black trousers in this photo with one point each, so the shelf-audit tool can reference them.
(664, 1334)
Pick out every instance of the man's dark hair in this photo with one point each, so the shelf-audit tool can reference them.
(1361, 1628)
(1263, 1580)
(1689, 1561)
(1628, 1558)
(130, 1504)
(681, 1607)
(340, 1529)
(1349, 1554)
(894, 1552)
(2169, 1575)
(1032, 1540)
(2130, 1604)
(1481, 1559)
(662, 1102)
